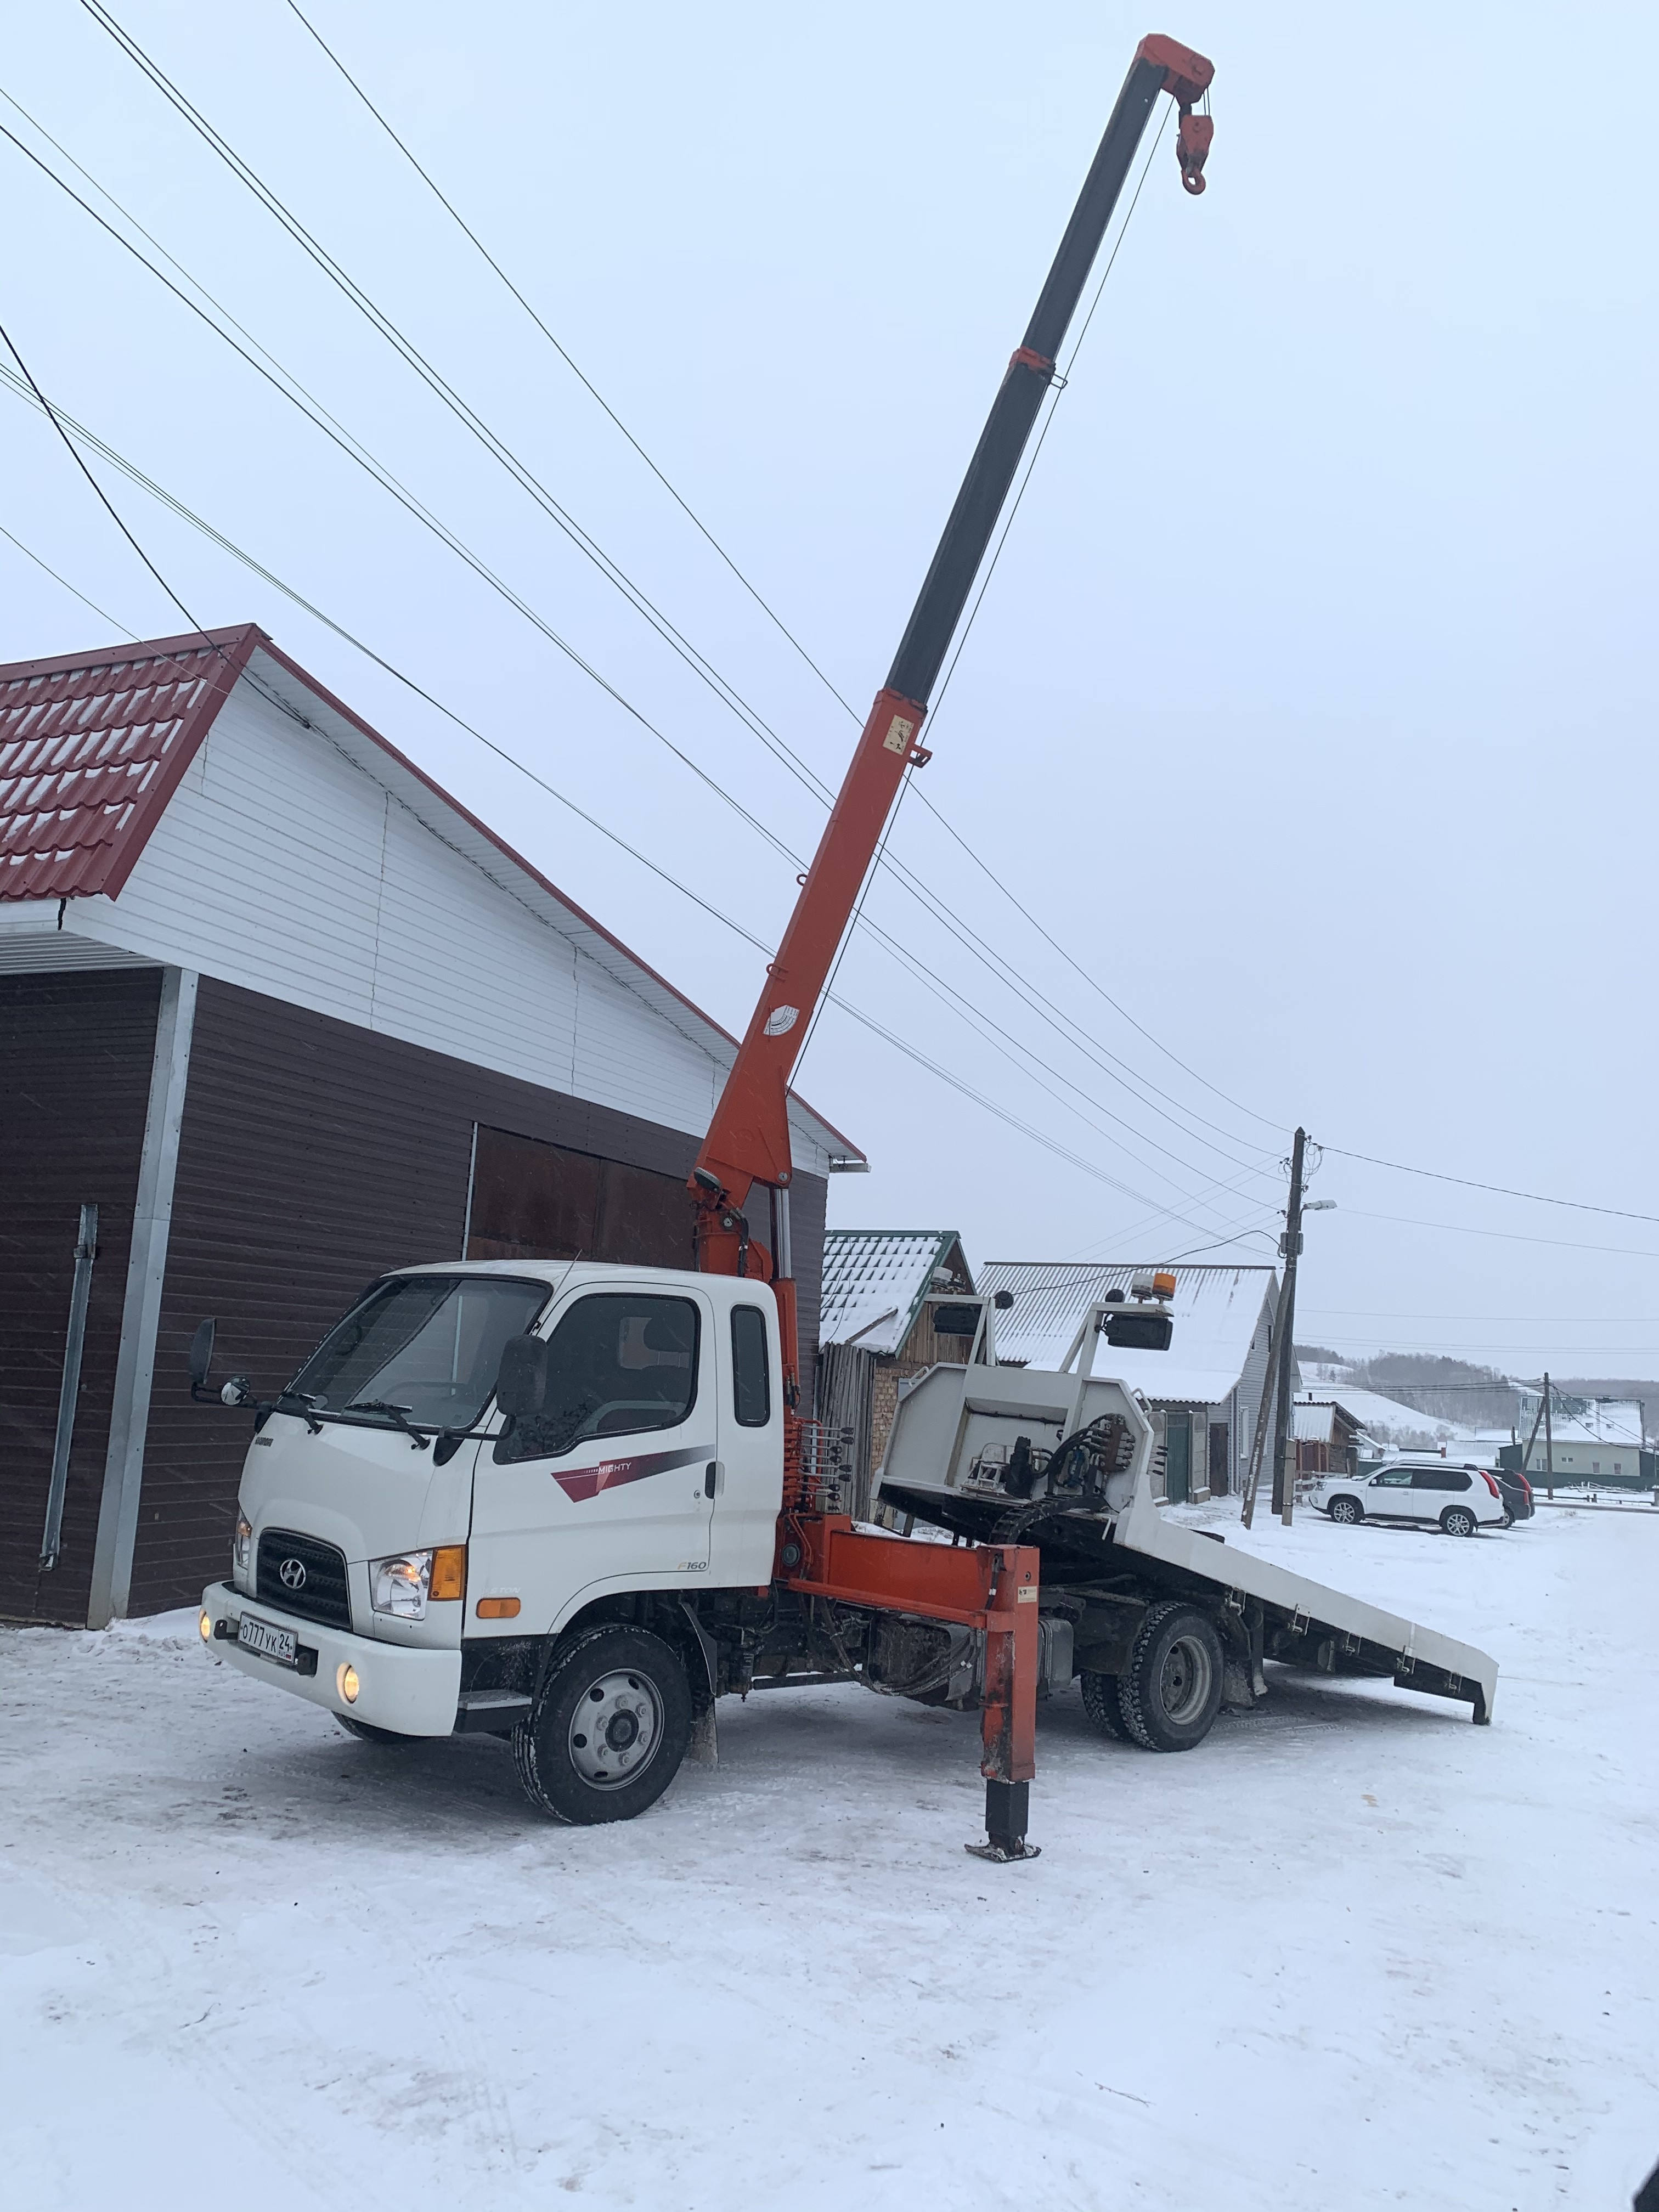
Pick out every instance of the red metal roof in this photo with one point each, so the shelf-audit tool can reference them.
(92, 746)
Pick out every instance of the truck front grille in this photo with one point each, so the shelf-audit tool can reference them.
(303, 1575)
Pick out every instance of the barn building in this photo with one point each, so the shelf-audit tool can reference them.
(277, 1014)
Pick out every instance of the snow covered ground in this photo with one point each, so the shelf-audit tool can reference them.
(1353, 1952)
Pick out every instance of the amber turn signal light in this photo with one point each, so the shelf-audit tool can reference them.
(498, 1608)
(448, 1571)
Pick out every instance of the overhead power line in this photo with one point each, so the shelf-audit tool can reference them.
(900, 1044)
(1115, 1069)
(99, 493)
(587, 382)
(991, 874)
(74, 590)
(499, 449)
(1498, 1189)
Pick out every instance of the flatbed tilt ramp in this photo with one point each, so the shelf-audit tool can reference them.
(1063, 1461)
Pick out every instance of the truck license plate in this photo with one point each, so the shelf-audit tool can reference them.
(269, 1642)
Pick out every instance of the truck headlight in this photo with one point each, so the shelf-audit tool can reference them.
(241, 1551)
(401, 1586)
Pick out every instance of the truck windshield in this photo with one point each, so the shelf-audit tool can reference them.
(424, 1347)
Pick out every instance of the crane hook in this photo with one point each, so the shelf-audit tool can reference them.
(1192, 139)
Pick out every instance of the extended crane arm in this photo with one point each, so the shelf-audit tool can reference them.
(748, 1139)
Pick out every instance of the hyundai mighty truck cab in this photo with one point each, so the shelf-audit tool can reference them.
(510, 1481)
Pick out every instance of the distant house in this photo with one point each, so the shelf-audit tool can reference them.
(1594, 1439)
(1204, 1390)
(895, 1302)
(1329, 1440)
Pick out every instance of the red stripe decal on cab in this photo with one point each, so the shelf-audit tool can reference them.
(584, 1482)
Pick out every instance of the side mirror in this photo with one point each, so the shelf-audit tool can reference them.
(521, 1384)
(201, 1353)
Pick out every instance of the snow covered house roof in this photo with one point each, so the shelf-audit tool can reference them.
(201, 802)
(875, 1280)
(1393, 1426)
(1219, 1313)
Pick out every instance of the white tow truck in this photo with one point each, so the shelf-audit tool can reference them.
(1163, 1623)
(572, 1503)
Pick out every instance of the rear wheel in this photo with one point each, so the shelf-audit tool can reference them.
(609, 1730)
(1170, 1691)
(1101, 1701)
(1458, 1521)
(1347, 1511)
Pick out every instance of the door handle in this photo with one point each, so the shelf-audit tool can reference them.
(712, 1477)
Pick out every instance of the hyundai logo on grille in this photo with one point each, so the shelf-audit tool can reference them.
(292, 1573)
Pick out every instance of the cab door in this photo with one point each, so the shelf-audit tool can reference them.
(610, 1487)
(749, 1477)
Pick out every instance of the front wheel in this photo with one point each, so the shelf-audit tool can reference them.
(1458, 1521)
(610, 1726)
(1170, 1691)
(1347, 1511)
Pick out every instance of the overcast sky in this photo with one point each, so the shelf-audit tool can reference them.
(1309, 708)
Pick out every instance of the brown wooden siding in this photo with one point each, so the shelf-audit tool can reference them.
(313, 1156)
(74, 1065)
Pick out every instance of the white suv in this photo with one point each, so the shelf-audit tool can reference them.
(1461, 1500)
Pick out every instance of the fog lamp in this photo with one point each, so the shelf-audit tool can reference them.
(205, 1624)
(345, 1680)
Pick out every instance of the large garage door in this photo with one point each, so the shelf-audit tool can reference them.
(532, 1201)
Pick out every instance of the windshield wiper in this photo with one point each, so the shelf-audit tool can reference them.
(418, 1437)
(314, 1408)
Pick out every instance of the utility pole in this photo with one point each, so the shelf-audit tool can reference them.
(1549, 1439)
(1264, 1412)
(1290, 1247)
(1526, 1456)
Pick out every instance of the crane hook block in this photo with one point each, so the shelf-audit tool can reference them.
(1192, 138)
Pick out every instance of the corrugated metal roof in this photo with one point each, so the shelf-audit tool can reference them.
(1217, 1312)
(94, 745)
(1314, 1420)
(91, 747)
(875, 1280)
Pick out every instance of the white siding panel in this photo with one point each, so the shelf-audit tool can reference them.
(465, 967)
(298, 860)
(620, 1048)
(265, 869)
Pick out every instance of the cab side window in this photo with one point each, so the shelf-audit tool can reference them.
(618, 1364)
(1393, 1478)
(752, 1380)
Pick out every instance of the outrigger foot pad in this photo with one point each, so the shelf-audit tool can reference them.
(1007, 1806)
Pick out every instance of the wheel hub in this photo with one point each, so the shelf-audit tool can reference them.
(615, 1729)
(1184, 1684)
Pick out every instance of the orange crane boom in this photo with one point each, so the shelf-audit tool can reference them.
(748, 1141)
